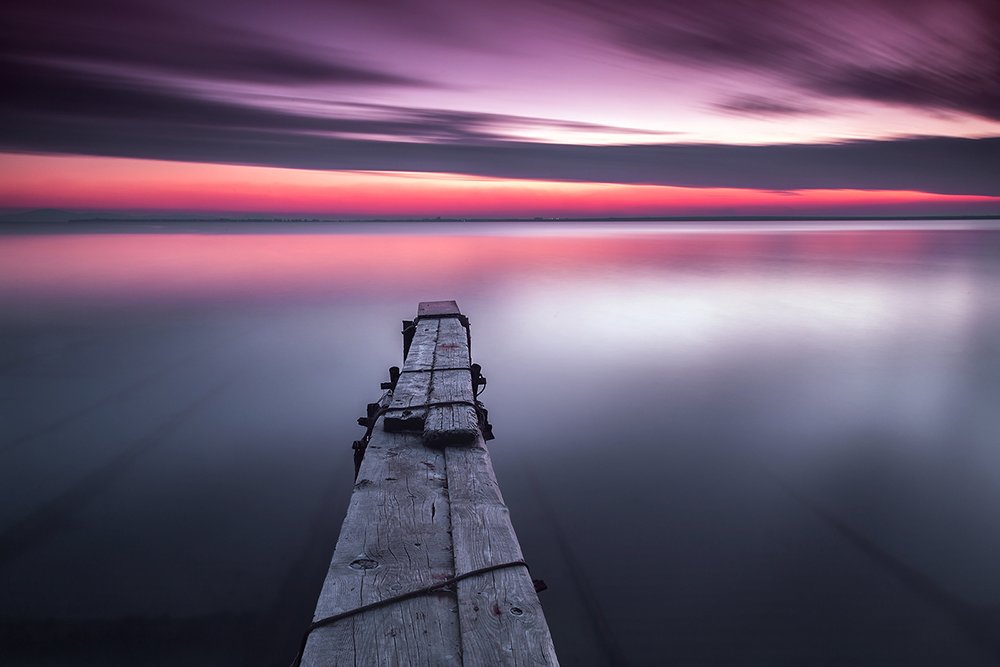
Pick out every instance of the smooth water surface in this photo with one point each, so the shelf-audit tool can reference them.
(766, 445)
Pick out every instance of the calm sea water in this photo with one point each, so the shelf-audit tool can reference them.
(735, 445)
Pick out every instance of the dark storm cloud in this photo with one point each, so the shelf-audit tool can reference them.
(157, 123)
(924, 54)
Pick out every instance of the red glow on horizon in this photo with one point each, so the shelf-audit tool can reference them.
(77, 182)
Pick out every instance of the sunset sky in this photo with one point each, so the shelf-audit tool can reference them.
(529, 107)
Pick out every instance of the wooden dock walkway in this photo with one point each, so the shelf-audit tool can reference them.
(426, 512)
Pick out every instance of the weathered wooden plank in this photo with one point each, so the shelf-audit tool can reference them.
(414, 385)
(412, 389)
(500, 617)
(422, 349)
(395, 539)
(452, 349)
(451, 424)
(434, 308)
(440, 343)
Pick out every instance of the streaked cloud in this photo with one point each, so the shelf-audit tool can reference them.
(756, 105)
(154, 124)
(921, 53)
(162, 40)
(776, 95)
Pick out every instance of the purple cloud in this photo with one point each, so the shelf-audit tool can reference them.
(226, 82)
(158, 40)
(765, 107)
(161, 124)
(925, 53)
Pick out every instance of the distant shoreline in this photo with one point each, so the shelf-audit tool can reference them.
(735, 218)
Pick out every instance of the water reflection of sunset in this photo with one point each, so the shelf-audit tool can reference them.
(205, 266)
(854, 364)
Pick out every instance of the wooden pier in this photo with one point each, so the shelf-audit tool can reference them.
(428, 569)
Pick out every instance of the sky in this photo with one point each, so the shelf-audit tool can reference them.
(396, 108)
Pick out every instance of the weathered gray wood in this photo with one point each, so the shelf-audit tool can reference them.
(438, 343)
(412, 389)
(433, 308)
(395, 539)
(420, 515)
(452, 349)
(500, 617)
(451, 424)
(422, 349)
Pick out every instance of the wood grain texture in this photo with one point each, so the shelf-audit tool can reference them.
(440, 343)
(451, 424)
(500, 617)
(395, 539)
(422, 349)
(452, 350)
(433, 308)
(420, 515)
(412, 389)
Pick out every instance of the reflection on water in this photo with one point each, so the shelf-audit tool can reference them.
(765, 446)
